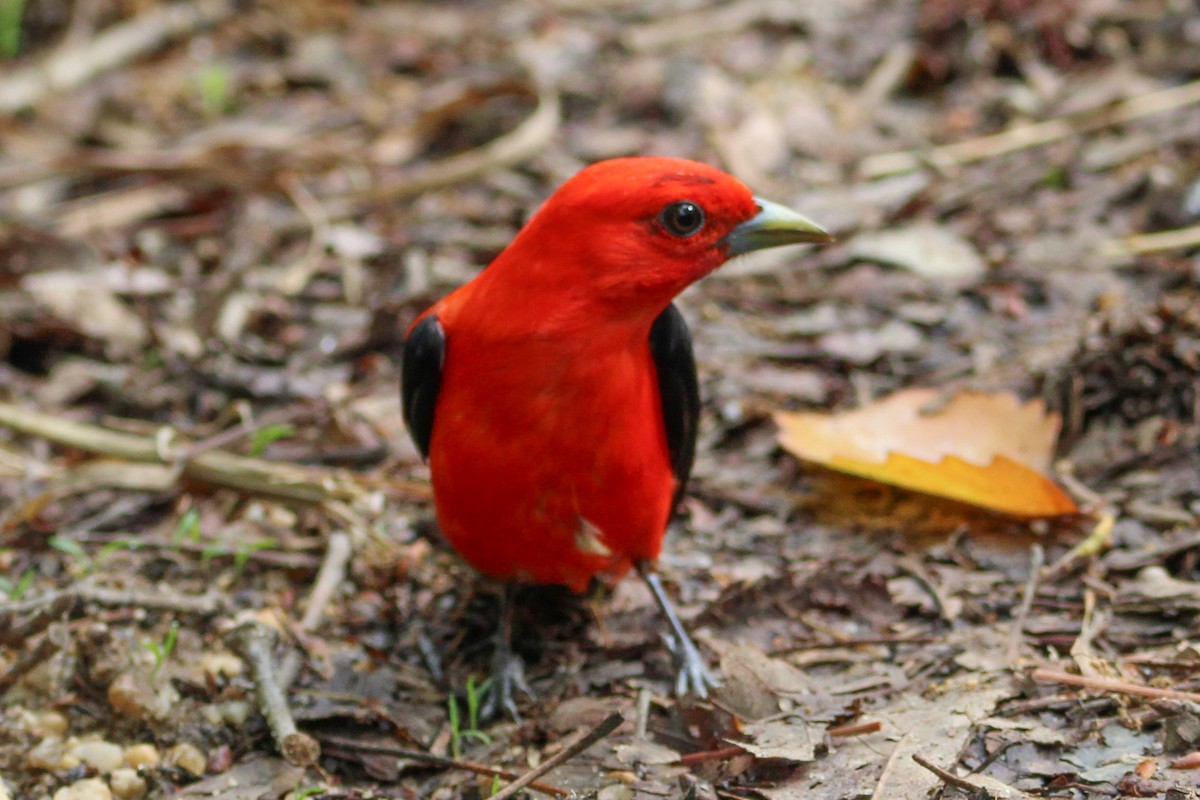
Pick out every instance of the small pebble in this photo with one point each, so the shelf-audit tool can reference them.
(129, 696)
(86, 789)
(101, 756)
(215, 665)
(186, 756)
(236, 712)
(142, 755)
(127, 784)
(51, 723)
(46, 755)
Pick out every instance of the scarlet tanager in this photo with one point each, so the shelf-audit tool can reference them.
(555, 394)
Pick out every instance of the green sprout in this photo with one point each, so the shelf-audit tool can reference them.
(213, 82)
(242, 555)
(123, 543)
(304, 794)
(188, 529)
(72, 548)
(458, 733)
(212, 551)
(11, 13)
(263, 437)
(15, 591)
(162, 650)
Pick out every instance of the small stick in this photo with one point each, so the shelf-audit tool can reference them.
(333, 570)
(1019, 137)
(833, 644)
(947, 776)
(53, 641)
(158, 599)
(1146, 243)
(254, 641)
(1037, 558)
(216, 467)
(571, 748)
(858, 729)
(353, 745)
(1115, 685)
(888, 766)
(691, 759)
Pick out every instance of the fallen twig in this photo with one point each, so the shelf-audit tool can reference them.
(570, 749)
(1114, 685)
(947, 776)
(522, 142)
(888, 766)
(1037, 557)
(216, 467)
(857, 729)
(52, 641)
(1145, 243)
(1093, 544)
(333, 570)
(1020, 137)
(159, 599)
(254, 641)
(118, 44)
(357, 745)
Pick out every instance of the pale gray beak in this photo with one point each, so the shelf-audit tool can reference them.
(772, 226)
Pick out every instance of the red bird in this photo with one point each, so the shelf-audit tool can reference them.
(555, 394)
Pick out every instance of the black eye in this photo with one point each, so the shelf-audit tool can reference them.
(683, 218)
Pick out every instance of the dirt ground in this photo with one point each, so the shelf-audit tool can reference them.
(217, 218)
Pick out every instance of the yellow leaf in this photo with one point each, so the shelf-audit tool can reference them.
(990, 451)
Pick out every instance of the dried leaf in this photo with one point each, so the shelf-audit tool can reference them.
(935, 252)
(794, 740)
(986, 450)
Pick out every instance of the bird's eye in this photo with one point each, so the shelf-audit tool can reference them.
(683, 218)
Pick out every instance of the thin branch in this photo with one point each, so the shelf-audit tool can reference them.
(1037, 558)
(570, 749)
(1146, 243)
(356, 745)
(1020, 137)
(330, 576)
(1114, 685)
(215, 467)
(253, 642)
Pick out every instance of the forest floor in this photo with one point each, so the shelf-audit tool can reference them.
(218, 218)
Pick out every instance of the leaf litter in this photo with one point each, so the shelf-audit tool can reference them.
(212, 234)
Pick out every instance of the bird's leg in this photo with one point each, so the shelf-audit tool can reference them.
(508, 670)
(694, 677)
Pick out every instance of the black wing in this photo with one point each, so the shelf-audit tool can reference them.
(421, 379)
(671, 347)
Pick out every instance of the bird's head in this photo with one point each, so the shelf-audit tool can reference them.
(631, 233)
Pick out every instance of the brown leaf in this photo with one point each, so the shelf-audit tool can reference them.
(985, 450)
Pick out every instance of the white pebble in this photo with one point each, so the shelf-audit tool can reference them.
(216, 664)
(86, 789)
(51, 723)
(127, 784)
(186, 756)
(99, 755)
(142, 755)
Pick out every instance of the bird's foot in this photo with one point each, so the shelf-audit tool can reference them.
(508, 678)
(693, 677)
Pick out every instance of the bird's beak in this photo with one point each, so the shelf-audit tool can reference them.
(772, 226)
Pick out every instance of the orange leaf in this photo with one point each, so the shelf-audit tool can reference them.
(986, 450)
